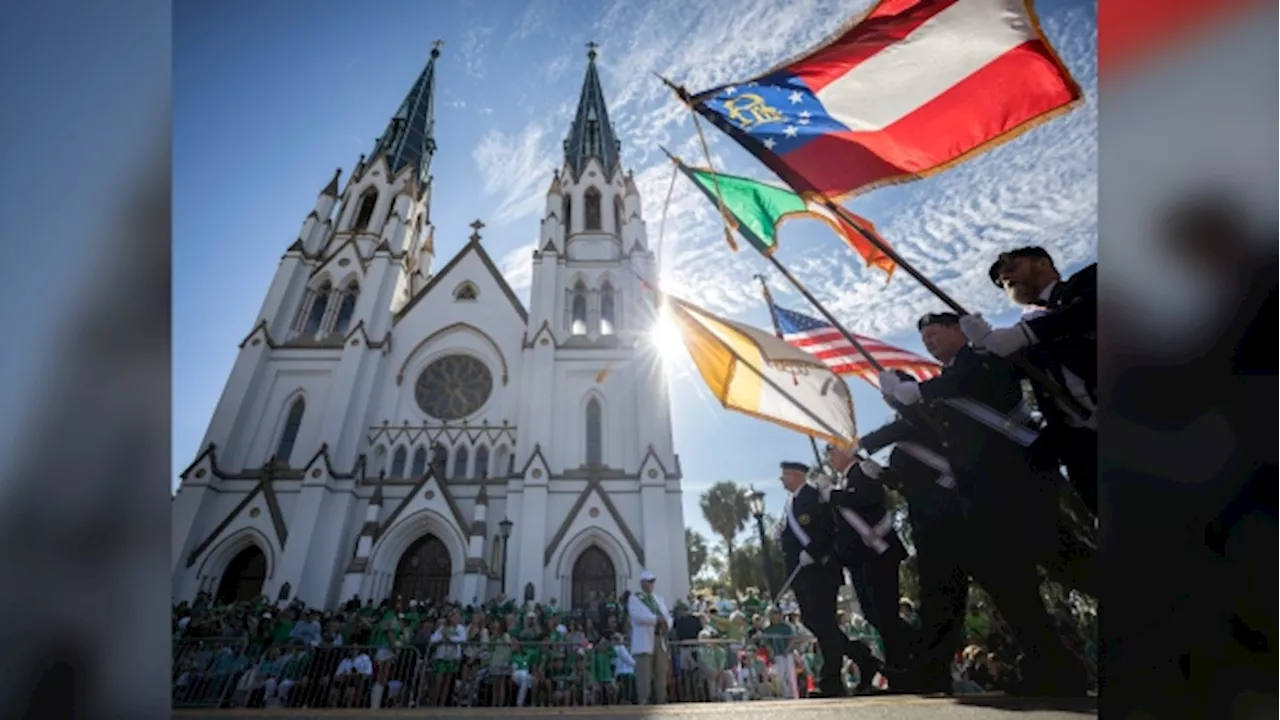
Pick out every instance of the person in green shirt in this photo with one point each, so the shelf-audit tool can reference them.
(387, 637)
(521, 672)
(559, 677)
(500, 662)
(600, 671)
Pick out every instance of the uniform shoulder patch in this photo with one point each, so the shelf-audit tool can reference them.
(803, 519)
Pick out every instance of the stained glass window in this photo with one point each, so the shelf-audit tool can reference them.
(289, 435)
(453, 387)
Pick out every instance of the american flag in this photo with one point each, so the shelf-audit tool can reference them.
(827, 344)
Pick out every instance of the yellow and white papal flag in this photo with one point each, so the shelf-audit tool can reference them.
(754, 372)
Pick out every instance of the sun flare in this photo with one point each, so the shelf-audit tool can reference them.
(665, 338)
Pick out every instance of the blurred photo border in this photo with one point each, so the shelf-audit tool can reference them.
(1187, 416)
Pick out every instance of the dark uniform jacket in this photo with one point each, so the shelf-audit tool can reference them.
(816, 536)
(991, 467)
(1068, 339)
(918, 469)
(863, 524)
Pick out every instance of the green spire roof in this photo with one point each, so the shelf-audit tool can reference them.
(591, 134)
(409, 138)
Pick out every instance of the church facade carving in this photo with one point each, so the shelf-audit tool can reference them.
(382, 420)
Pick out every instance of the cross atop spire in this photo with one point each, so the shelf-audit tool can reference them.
(475, 227)
(409, 138)
(591, 135)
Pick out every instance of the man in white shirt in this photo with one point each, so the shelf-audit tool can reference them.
(351, 680)
(650, 622)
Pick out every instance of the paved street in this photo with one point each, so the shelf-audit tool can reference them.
(884, 708)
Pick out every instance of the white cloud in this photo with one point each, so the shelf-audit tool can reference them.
(1040, 189)
(517, 267)
(556, 68)
(458, 104)
(474, 42)
(533, 18)
(517, 169)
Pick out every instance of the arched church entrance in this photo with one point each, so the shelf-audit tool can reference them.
(424, 571)
(244, 576)
(594, 577)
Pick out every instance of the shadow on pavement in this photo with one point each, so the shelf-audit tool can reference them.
(1082, 705)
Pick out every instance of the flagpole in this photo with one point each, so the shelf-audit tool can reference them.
(777, 329)
(822, 309)
(767, 381)
(768, 300)
(1034, 373)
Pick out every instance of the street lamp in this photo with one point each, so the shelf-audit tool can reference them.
(505, 528)
(755, 501)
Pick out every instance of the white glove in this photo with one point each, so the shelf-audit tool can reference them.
(907, 392)
(805, 558)
(975, 329)
(1007, 341)
(871, 469)
(824, 491)
(892, 387)
(889, 380)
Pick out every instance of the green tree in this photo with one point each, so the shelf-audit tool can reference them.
(909, 570)
(748, 565)
(695, 547)
(725, 507)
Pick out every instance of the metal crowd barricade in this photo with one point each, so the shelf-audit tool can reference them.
(204, 670)
(212, 673)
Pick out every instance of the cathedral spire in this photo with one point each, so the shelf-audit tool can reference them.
(410, 138)
(591, 134)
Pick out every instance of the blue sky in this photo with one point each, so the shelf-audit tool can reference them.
(268, 98)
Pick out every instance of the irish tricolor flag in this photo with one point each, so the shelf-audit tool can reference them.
(755, 209)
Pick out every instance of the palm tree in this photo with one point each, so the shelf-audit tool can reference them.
(725, 507)
(695, 547)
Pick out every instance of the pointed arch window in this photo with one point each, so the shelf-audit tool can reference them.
(595, 436)
(348, 307)
(289, 435)
(578, 318)
(591, 202)
(460, 462)
(364, 214)
(495, 555)
(568, 215)
(419, 462)
(501, 461)
(482, 462)
(618, 211)
(319, 306)
(607, 309)
(398, 461)
(439, 458)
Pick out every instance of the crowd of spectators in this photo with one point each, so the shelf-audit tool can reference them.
(401, 653)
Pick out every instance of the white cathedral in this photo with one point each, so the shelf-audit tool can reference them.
(386, 427)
